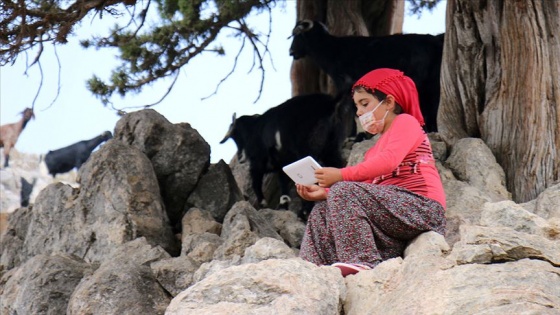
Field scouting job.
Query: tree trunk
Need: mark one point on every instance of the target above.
(500, 82)
(356, 17)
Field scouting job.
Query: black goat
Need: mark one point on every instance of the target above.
(347, 58)
(73, 156)
(303, 125)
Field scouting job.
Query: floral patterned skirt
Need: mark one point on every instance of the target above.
(365, 224)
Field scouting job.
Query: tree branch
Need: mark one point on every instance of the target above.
(164, 49)
(148, 53)
(24, 24)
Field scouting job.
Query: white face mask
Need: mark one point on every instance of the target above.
(369, 124)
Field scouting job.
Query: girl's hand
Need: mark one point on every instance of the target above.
(327, 176)
(311, 192)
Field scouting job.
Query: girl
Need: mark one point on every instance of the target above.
(367, 213)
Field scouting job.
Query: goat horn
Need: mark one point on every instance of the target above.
(302, 26)
(27, 110)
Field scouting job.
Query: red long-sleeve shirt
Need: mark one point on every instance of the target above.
(403, 157)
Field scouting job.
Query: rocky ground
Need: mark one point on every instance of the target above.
(152, 227)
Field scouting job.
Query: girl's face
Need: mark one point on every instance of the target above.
(366, 102)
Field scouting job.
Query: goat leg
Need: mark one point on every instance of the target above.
(285, 199)
(257, 180)
(7, 150)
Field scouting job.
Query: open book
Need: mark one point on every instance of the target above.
(302, 171)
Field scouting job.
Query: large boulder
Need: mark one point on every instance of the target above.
(287, 286)
(118, 201)
(43, 285)
(179, 155)
(123, 284)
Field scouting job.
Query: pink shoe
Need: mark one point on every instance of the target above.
(350, 269)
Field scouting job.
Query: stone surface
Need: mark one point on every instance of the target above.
(294, 287)
(216, 199)
(43, 285)
(123, 284)
(106, 245)
(179, 155)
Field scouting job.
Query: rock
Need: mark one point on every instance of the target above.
(286, 224)
(216, 199)
(267, 248)
(43, 285)
(243, 227)
(179, 155)
(123, 284)
(12, 240)
(500, 244)
(118, 201)
(107, 245)
(472, 161)
(547, 203)
(201, 235)
(275, 286)
(175, 274)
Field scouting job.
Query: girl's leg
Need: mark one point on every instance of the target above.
(317, 245)
(370, 223)
(346, 219)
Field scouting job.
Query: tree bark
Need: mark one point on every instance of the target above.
(342, 17)
(500, 82)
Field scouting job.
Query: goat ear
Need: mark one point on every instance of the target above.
(230, 130)
(227, 136)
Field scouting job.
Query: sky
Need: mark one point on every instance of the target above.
(77, 115)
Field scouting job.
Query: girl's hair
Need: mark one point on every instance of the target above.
(380, 96)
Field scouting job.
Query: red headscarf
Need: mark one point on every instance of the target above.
(394, 82)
